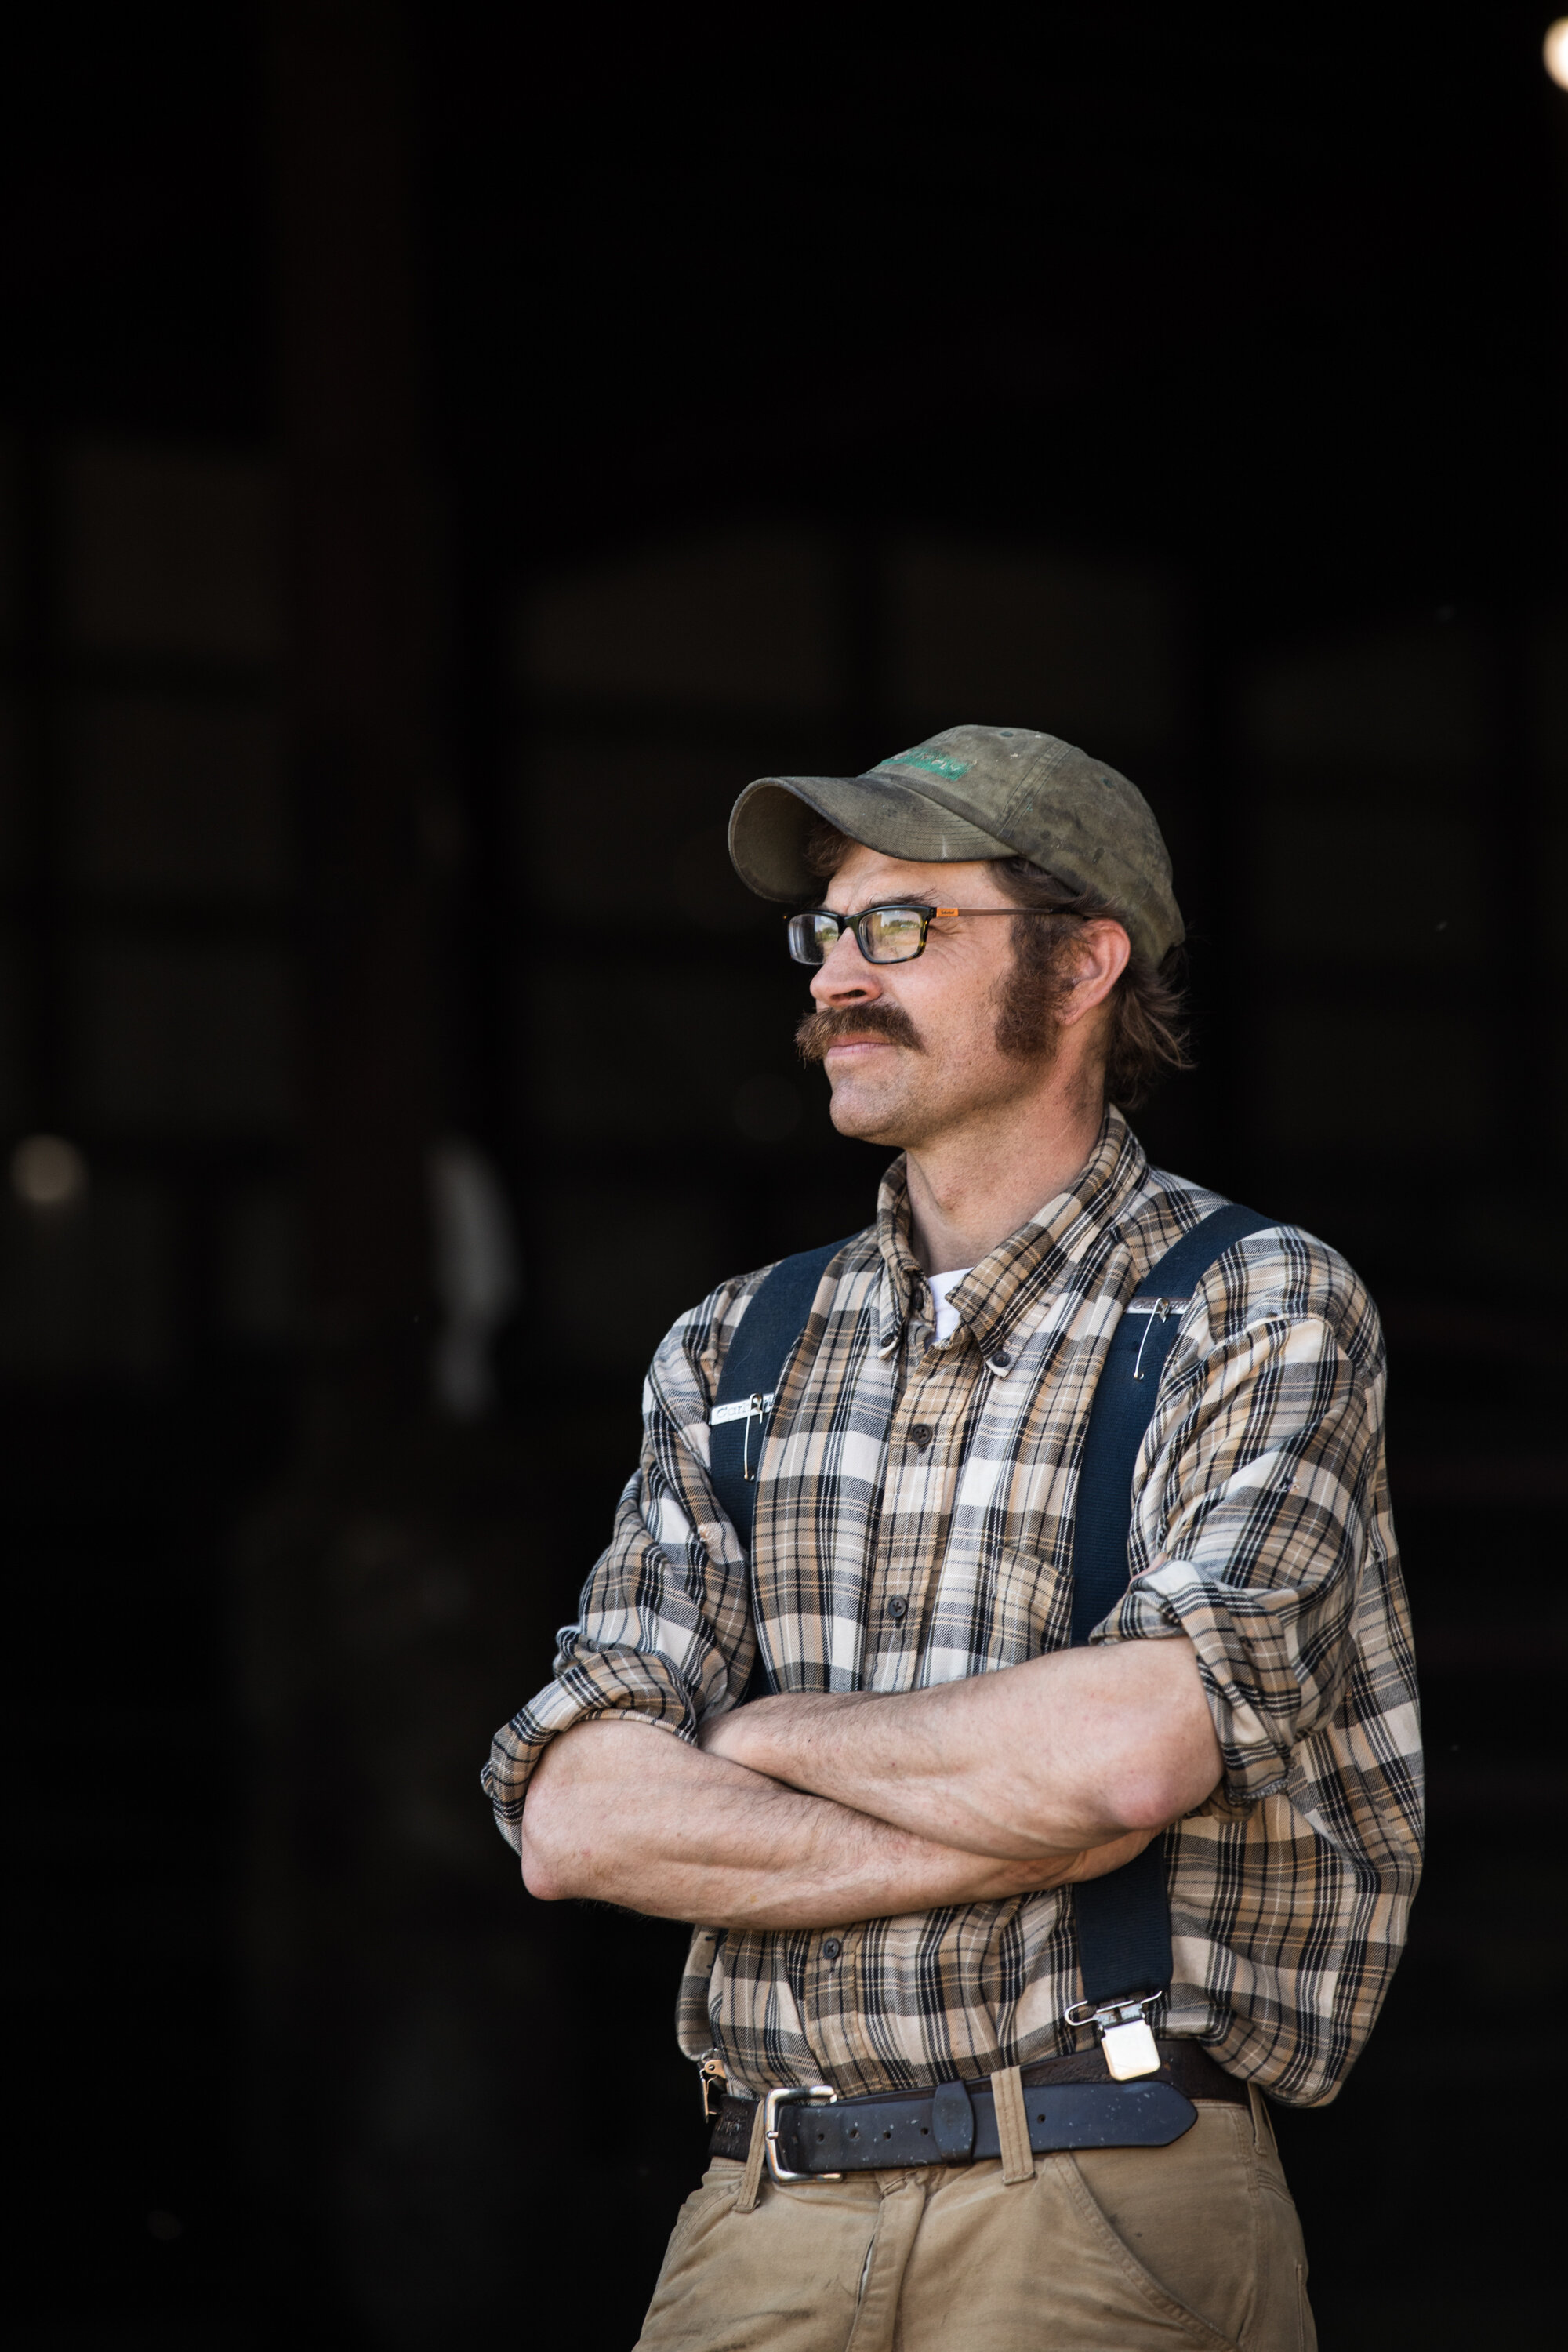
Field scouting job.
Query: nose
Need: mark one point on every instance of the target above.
(845, 978)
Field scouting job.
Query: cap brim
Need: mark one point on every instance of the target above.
(771, 821)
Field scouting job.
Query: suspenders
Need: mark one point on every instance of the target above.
(771, 1330)
(1123, 1919)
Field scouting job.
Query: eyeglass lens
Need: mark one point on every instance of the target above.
(886, 934)
(813, 937)
(891, 934)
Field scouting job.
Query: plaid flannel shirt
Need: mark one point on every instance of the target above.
(1260, 1529)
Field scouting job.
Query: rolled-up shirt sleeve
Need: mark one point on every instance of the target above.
(1259, 1526)
(664, 1630)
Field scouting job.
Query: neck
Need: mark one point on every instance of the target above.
(968, 1190)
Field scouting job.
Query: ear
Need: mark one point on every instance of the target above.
(1100, 956)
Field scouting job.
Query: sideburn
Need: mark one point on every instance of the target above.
(1027, 1029)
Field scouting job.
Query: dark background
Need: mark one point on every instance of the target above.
(446, 455)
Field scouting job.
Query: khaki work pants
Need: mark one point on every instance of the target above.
(1104, 2250)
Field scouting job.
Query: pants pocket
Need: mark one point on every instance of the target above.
(1191, 2220)
(714, 2193)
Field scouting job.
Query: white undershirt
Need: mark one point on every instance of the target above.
(940, 1284)
(946, 1315)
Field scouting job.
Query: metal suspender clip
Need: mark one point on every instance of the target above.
(1158, 1310)
(1125, 2034)
(750, 1409)
(715, 2081)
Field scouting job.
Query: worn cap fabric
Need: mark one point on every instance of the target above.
(974, 792)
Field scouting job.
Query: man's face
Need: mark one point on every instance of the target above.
(910, 1048)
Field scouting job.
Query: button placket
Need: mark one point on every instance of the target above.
(831, 1997)
(906, 1567)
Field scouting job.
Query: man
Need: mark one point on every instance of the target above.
(908, 1858)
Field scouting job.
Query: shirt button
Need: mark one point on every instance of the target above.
(897, 1608)
(1000, 1363)
(831, 1948)
(920, 1436)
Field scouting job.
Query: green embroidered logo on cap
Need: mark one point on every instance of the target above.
(931, 761)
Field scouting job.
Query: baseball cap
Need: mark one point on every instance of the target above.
(974, 792)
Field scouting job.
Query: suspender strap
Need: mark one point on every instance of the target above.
(1124, 1921)
(769, 1332)
(765, 1338)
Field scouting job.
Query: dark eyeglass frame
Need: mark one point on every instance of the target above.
(859, 924)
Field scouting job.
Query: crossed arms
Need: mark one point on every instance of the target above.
(1257, 1530)
(815, 1810)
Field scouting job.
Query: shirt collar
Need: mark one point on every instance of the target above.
(1002, 1289)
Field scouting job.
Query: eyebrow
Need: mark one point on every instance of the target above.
(848, 914)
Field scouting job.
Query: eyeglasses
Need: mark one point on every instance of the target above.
(882, 934)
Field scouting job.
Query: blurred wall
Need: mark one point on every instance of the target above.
(149, 861)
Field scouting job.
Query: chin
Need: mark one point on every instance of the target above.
(866, 1122)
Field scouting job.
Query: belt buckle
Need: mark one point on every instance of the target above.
(821, 2093)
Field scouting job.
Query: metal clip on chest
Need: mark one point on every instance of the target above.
(748, 1409)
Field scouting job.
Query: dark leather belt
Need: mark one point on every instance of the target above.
(1069, 2102)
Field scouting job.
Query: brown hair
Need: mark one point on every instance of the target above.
(1147, 1036)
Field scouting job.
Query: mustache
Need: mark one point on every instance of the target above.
(839, 1023)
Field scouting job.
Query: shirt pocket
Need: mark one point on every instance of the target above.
(1024, 1608)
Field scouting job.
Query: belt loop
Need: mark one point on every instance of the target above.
(1262, 2122)
(1011, 2125)
(756, 2154)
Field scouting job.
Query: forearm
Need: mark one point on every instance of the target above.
(1063, 1753)
(621, 1812)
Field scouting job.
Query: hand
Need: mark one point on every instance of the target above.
(1100, 1860)
(727, 1735)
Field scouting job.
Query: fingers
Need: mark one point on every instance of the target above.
(718, 1736)
(1100, 1860)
